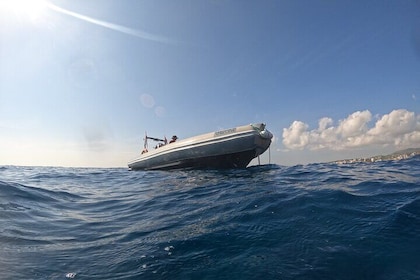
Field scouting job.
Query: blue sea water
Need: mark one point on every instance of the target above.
(317, 221)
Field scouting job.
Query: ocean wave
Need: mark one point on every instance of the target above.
(11, 191)
(308, 221)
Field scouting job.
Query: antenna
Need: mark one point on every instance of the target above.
(145, 140)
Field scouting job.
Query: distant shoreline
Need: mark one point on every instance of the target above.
(399, 155)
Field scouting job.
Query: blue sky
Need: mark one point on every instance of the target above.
(81, 81)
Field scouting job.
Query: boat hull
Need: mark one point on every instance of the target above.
(232, 148)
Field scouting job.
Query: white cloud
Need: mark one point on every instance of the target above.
(400, 128)
(355, 124)
(296, 136)
(396, 123)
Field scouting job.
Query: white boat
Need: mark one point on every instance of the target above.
(229, 148)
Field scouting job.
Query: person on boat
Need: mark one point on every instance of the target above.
(174, 138)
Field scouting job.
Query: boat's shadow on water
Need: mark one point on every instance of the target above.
(225, 171)
(222, 174)
(263, 167)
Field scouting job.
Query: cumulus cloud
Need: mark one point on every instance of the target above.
(400, 128)
(296, 136)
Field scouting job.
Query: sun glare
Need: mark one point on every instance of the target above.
(30, 10)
